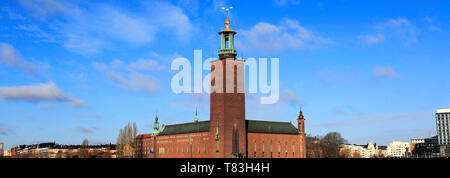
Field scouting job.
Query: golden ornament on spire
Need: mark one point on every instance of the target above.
(227, 22)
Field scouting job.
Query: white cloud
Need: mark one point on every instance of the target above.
(393, 29)
(272, 38)
(40, 93)
(133, 80)
(10, 57)
(143, 64)
(384, 72)
(373, 39)
(90, 28)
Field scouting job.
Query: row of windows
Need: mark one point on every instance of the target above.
(172, 149)
(286, 145)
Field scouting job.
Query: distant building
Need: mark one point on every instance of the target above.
(425, 148)
(313, 149)
(54, 150)
(369, 150)
(443, 131)
(1, 149)
(398, 149)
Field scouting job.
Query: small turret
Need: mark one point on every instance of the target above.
(156, 126)
(301, 122)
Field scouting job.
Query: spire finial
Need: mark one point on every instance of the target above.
(300, 116)
(227, 22)
(196, 117)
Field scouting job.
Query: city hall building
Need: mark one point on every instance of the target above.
(227, 134)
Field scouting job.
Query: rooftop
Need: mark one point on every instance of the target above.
(253, 126)
(439, 111)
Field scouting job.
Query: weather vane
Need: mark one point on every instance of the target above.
(227, 23)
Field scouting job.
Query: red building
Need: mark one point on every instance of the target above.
(227, 134)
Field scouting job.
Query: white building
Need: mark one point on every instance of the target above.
(367, 151)
(398, 149)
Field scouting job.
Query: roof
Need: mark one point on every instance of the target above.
(441, 111)
(191, 127)
(253, 126)
(144, 136)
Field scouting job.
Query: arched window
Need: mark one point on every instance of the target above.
(270, 149)
(293, 150)
(286, 149)
(279, 149)
(262, 150)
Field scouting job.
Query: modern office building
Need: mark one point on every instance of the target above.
(425, 147)
(443, 131)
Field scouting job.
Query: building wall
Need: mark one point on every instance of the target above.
(181, 146)
(398, 149)
(443, 126)
(283, 146)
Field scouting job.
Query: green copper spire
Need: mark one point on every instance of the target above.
(156, 125)
(196, 117)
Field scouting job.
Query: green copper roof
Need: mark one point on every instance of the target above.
(192, 127)
(253, 126)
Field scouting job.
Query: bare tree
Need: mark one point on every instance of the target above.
(126, 141)
(330, 144)
(84, 150)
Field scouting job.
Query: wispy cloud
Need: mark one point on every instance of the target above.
(90, 28)
(329, 77)
(286, 2)
(189, 102)
(393, 29)
(146, 64)
(373, 39)
(87, 129)
(289, 35)
(372, 119)
(432, 24)
(291, 98)
(12, 58)
(133, 80)
(4, 131)
(11, 14)
(384, 72)
(48, 92)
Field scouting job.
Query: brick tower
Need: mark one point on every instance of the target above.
(227, 110)
(301, 123)
(301, 131)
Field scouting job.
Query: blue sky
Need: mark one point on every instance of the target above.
(371, 70)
